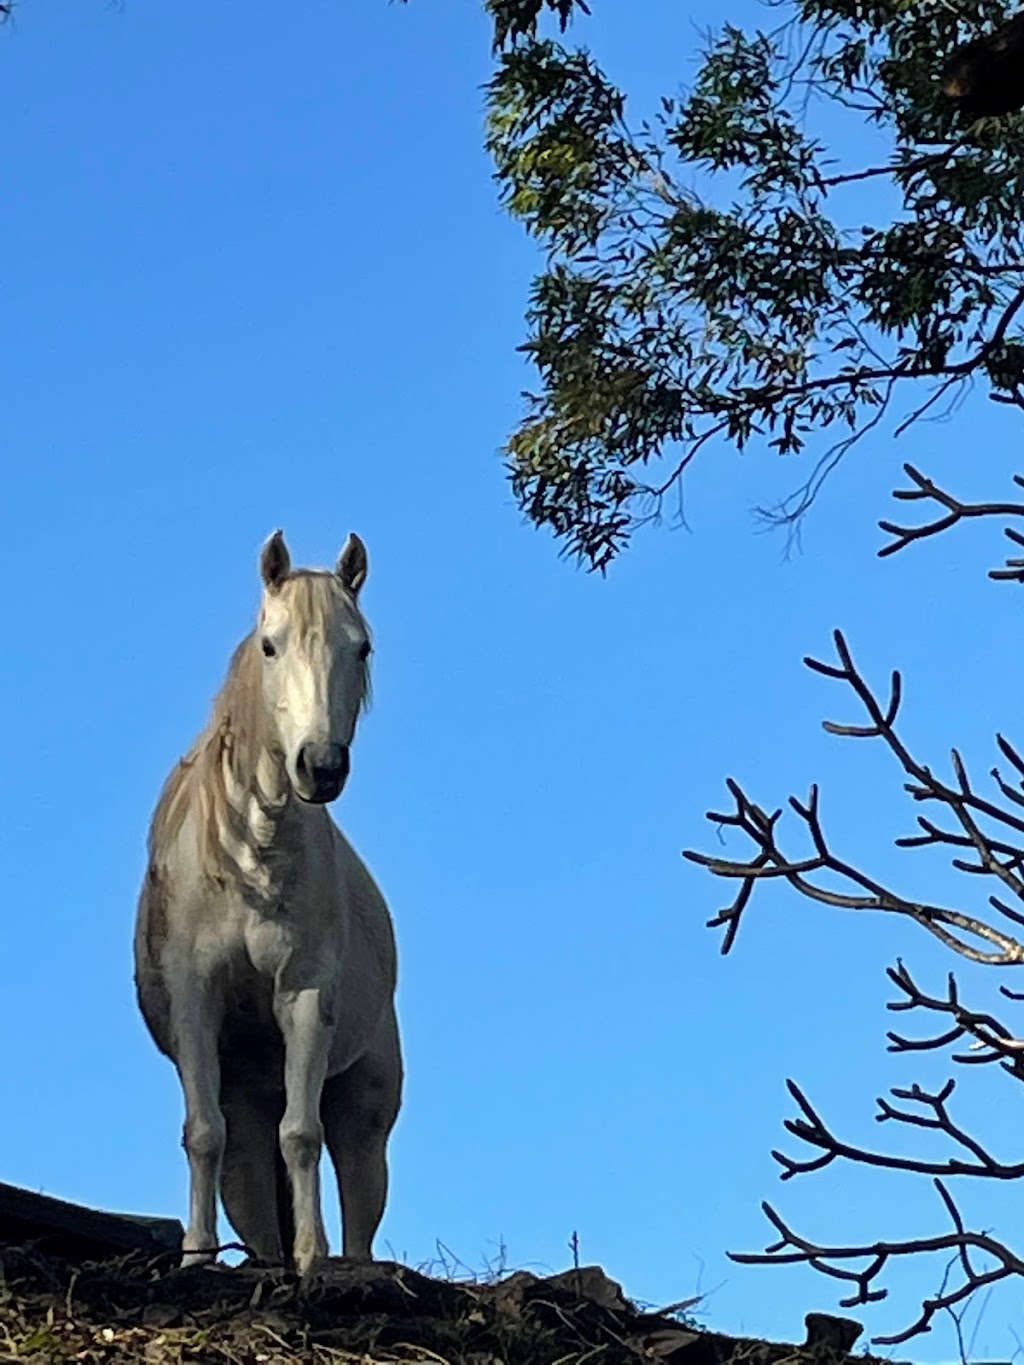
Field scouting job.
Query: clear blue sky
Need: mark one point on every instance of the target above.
(255, 275)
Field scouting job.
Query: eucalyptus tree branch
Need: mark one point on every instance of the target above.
(657, 491)
(892, 168)
(991, 833)
(751, 404)
(909, 367)
(792, 1249)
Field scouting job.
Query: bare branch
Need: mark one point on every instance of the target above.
(955, 511)
(985, 838)
(1014, 568)
(993, 833)
(993, 1040)
(792, 1249)
(812, 1129)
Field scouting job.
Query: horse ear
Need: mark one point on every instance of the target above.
(275, 561)
(353, 565)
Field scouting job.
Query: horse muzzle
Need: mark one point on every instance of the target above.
(321, 771)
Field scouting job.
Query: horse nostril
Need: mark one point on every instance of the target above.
(301, 764)
(322, 764)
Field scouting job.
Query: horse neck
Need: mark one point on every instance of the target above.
(256, 783)
(256, 826)
(254, 810)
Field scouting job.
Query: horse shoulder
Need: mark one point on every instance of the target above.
(366, 905)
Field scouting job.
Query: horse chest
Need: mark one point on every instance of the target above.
(268, 942)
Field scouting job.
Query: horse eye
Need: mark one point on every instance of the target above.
(364, 651)
(268, 648)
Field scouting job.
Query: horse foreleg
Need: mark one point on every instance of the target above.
(307, 1038)
(195, 1032)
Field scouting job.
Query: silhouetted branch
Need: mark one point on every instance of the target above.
(891, 168)
(985, 838)
(932, 1113)
(955, 511)
(998, 854)
(901, 369)
(792, 1249)
(993, 1041)
(1014, 569)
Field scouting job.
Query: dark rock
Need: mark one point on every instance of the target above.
(590, 1282)
(75, 1232)
(839, 1334)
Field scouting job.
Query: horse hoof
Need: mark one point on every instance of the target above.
(307, 1265)
(190, 1259)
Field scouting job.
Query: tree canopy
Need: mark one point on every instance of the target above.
(757, 307)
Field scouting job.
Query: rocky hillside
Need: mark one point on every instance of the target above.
(81, 1284)
(141, 1308)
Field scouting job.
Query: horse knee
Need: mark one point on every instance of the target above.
(301, 1144)
(204, 1138)
(375, 1121)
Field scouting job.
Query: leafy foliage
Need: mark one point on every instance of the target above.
(759, 308)
(518, 18)
(515, 19)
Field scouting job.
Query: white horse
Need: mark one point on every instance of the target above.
(264, 951)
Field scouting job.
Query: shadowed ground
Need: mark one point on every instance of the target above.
(140, 1308)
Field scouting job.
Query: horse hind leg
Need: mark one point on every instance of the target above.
(358, 1109)
(254, 1186)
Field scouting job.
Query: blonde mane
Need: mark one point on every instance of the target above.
(223, 760)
